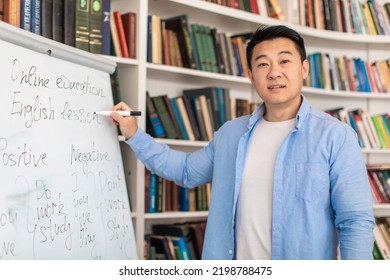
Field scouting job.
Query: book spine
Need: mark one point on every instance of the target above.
(36, 17)
(25, 14)
(158, 129)
(121, 34)
(106, 29)
(82, 25)
(69, 21)
(95, 26)
(47, 17)
(58, 20)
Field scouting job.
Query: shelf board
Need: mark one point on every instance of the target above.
(303, 30)
(163, 69)
(376, 151)
(181, 143)
(345, 94)
(174, 215)
(121, 60)
(381, 210)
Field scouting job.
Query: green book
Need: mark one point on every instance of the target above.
(165, 118)
(82, 25)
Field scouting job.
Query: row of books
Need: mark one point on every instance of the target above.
(352, 16)
(173, 41)
(382, 239)
(179, 241)
(195, 115)
(348, 74)
(243, 5)
(373, 130)
(89, 25)
(379, 176)
(162, 195)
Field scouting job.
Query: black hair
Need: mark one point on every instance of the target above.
(265, 33)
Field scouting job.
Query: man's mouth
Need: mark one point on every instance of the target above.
(276, 86)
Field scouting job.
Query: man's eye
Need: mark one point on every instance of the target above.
(262, 65)
(284, 61)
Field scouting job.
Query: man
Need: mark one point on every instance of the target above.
(288, 181)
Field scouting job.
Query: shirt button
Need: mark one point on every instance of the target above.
(230, 252)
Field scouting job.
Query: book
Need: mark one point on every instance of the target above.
(82, 25)
(69, 22)
(275, 11)
(178, 230)
(58, 20)
(36, 17)
(165, 117)
(155, 121)
(106, 28)
(121, 34)
(11, 12)
(116, 50)
(381, 243)
(188, 117)
(179, 24)
(25, 13)
(95, 26)
(129, 21)
(211, 95)
(47, 17)
(179, 119)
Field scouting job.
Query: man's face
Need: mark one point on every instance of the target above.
(277, 72)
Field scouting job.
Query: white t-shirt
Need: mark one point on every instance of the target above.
(254, 208)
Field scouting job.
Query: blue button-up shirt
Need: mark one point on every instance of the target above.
(321, 193)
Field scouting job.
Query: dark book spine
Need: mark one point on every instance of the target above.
(69, 21)
(47, 18)
(95, 26)
(129, 27)
(82, 25)
(58, 20)
(36, 17)
(106, 29)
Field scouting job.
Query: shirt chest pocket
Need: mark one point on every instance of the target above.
(312, 181)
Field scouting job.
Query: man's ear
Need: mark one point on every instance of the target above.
(305, 68)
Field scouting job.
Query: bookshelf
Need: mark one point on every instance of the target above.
(137, 76)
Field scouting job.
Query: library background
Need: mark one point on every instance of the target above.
(183, 63)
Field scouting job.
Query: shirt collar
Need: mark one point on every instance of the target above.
(258, 114)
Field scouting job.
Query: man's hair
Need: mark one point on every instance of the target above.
(273, 32)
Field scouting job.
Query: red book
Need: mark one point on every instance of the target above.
(121, 34)
(254, 7)
(129, 25)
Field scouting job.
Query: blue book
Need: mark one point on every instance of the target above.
(106, 31)
(152, 193)
(25, 14)
(36, 17)
(181, 243)
(149, 41)
(183, 131)
(219, 91)
(183, 199)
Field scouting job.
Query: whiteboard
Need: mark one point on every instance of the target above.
(62, 187)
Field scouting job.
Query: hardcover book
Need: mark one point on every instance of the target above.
(58, 20)
(95, 26)
(69, 21)
(82, 24)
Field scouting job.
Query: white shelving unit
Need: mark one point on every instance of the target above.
(137, 76)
